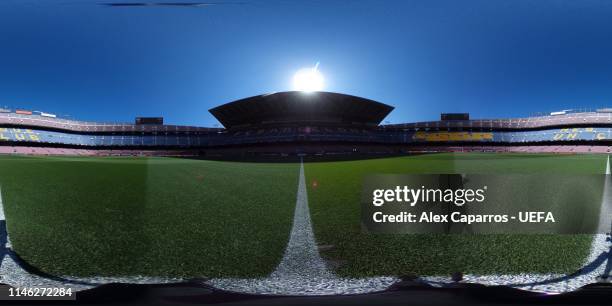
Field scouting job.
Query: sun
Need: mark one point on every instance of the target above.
(308, 79)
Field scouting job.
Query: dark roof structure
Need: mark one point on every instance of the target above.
(301, 108)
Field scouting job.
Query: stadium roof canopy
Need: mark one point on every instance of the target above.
(298, 108)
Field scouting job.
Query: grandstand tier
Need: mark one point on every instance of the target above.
(301, 123)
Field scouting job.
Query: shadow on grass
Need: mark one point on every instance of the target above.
(23, 265)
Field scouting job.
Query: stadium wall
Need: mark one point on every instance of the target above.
(194, 139)
(593, 134)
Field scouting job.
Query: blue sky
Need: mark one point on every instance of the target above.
(490, 58)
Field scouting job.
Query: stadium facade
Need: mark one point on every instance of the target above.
(294, 123)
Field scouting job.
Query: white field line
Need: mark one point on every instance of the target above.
(12, 273)
(312, 277)
(301, 258)
(593, 267)
(301, 270)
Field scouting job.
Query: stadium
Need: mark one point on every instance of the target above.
(297, 123)
(306, 152)
(128, 202)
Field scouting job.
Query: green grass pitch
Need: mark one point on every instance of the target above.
(148, 216)
(193, 218)
(334, 205)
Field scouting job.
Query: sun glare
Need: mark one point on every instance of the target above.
(308, 79)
